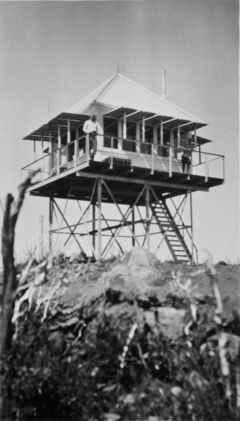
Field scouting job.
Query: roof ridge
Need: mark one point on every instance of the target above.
(159, 96)
(107, 84)
(96, 89)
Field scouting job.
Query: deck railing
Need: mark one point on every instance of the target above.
(152, 156)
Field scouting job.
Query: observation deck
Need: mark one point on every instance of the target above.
(126, 164)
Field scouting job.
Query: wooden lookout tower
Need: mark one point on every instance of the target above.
(137, 170)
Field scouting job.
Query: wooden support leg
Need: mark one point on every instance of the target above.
(124, 217)
(94, 223)
(50, 222)
(65, 220)
(191, 216)
(99, 218)
(147, 199)
(133, 226)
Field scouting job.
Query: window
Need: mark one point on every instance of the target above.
(110, 127)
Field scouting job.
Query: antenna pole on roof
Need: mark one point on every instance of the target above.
(164, 94)
(118, 69)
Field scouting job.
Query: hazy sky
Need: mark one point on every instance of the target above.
(55, 53)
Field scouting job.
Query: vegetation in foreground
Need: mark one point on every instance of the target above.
(114, 362)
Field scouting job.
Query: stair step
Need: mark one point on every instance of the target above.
(177, 247)
(171, 232)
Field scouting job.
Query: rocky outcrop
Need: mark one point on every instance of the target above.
(124, 334)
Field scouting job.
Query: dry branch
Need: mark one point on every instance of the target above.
(11, 212)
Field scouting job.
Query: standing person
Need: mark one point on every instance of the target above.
(91, 127)
(186, 161)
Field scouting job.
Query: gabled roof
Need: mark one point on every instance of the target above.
(116, 95)
(121, 92)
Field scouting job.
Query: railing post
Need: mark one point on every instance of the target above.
(199, 154)
(138, 146)
(50, 151)
(178, 135)
(206, 168)
(76, 151)
(120, 134)
(223, 168)
(161, 132)
(42, 144)
(111, 158)
(124, 125)
(170, 161)
(138, 137)
(143, 128)
(58, 160)
(152, 170)
(87, 146)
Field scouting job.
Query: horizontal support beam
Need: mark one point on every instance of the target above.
(83, 174)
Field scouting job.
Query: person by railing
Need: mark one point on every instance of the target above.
(91, 127)
(186, 162)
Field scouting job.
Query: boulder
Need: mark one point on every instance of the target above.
(138, 266)
(56, 341)
(139, 256)
(167, 320)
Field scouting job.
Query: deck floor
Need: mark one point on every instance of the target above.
(118, 177)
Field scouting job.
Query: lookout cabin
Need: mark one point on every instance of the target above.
(140, 142)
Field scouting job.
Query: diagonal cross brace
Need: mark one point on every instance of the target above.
(124, 217)
(72, 232)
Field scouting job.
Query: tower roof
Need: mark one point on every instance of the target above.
(121, 92)
(116, 95)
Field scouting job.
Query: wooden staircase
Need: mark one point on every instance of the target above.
(171, 232)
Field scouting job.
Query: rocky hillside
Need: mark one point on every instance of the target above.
(125, 340)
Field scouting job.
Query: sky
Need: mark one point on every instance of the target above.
(54, 53)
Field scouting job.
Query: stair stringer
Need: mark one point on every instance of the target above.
(168, 227)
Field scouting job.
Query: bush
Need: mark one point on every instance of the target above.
(86, 381)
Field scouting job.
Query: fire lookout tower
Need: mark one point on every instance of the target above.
(137, 169)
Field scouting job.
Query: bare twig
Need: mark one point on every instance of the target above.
(11, 212)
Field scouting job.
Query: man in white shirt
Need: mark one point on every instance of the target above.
(91, 127)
